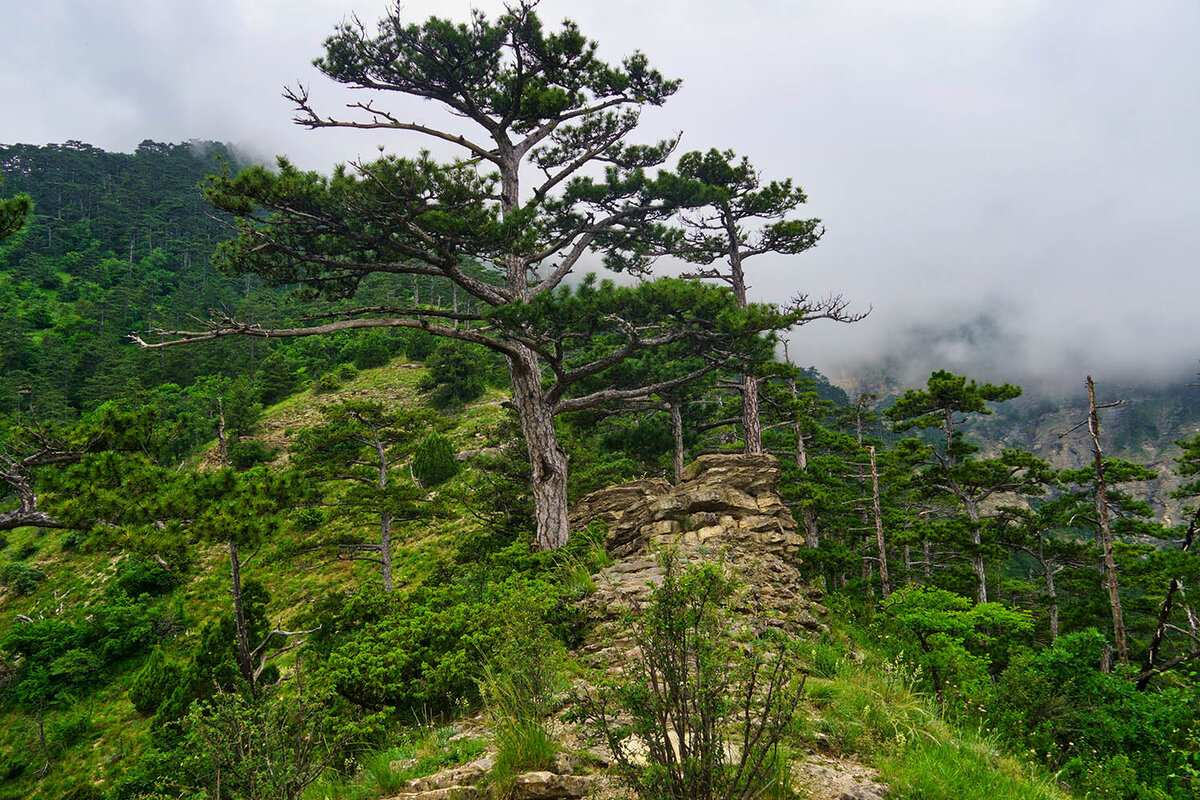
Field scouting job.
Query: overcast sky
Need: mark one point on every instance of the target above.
(1011, 184)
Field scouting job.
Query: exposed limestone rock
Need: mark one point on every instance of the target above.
(550, 786)
(727, 508)
(466, 775)
(824, 778)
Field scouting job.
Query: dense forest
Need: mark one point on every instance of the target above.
(304, 483)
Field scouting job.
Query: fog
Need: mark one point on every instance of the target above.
(1010, 186)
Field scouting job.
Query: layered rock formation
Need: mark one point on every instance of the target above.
(727, 508)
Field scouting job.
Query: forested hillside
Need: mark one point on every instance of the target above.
(350, 485)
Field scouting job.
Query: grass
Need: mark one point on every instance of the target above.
(870, 709)
(384, 773)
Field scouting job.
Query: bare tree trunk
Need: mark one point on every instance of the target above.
(547, 458)
(927, 565)
(885, 581)
(245, 664)
(385, 518)
(1104, 532)
(677, 434)
(1164, 613)
(222, 439)
(812, 537)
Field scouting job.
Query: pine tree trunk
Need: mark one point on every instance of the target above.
(677, 435)
(885, 580)
(751, 423)
(385, 518)
(977, 563)
(1104, 532)
(385, 549)
(812, 537)
(547, 458)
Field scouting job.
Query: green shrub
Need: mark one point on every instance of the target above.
(457, 373)
(698, 678)
(419, 344)
(425, 654)
(370, 350)
(244, 455)
(329, 382)
(21, 579)
(153, 683)
(347, 372)
(434, 461)
(139, 575)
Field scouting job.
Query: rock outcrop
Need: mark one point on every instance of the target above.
(727, 508)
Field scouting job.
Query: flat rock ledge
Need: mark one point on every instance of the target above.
(726, 509)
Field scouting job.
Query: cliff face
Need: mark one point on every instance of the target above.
(727, 508)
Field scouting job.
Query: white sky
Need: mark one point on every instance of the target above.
(1011, 184)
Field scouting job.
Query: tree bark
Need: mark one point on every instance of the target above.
(547, 458)
(885, 580)
(1103, 531)
(242, 650)
(385, 520)
(751, 423)
(1164, 613)
(977, 563)
(677, 434)
(222, 439)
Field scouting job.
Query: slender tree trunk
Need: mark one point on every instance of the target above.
(1104, 532)
(1051, 591)
(927, 564)
(1164, 613)
(977, 563)
(547, 458)
(812, 537)
(385, 549)
(385, 518)
(222, 438)
(677, 434)
(245, 666)
(885, 580)
(751, 423)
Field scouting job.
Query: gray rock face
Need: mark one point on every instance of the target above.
(727, 508)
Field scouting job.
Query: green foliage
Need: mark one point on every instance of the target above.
(154, 683)
(259, 748)
(1095, 726)
(21, 579)
(519, 687)
(327, 383)
(948, 635)
(424, 653)
(711, 702)
(369, 350)
(434, 461)
(250, 453)
(457, 373)
(139, 575)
